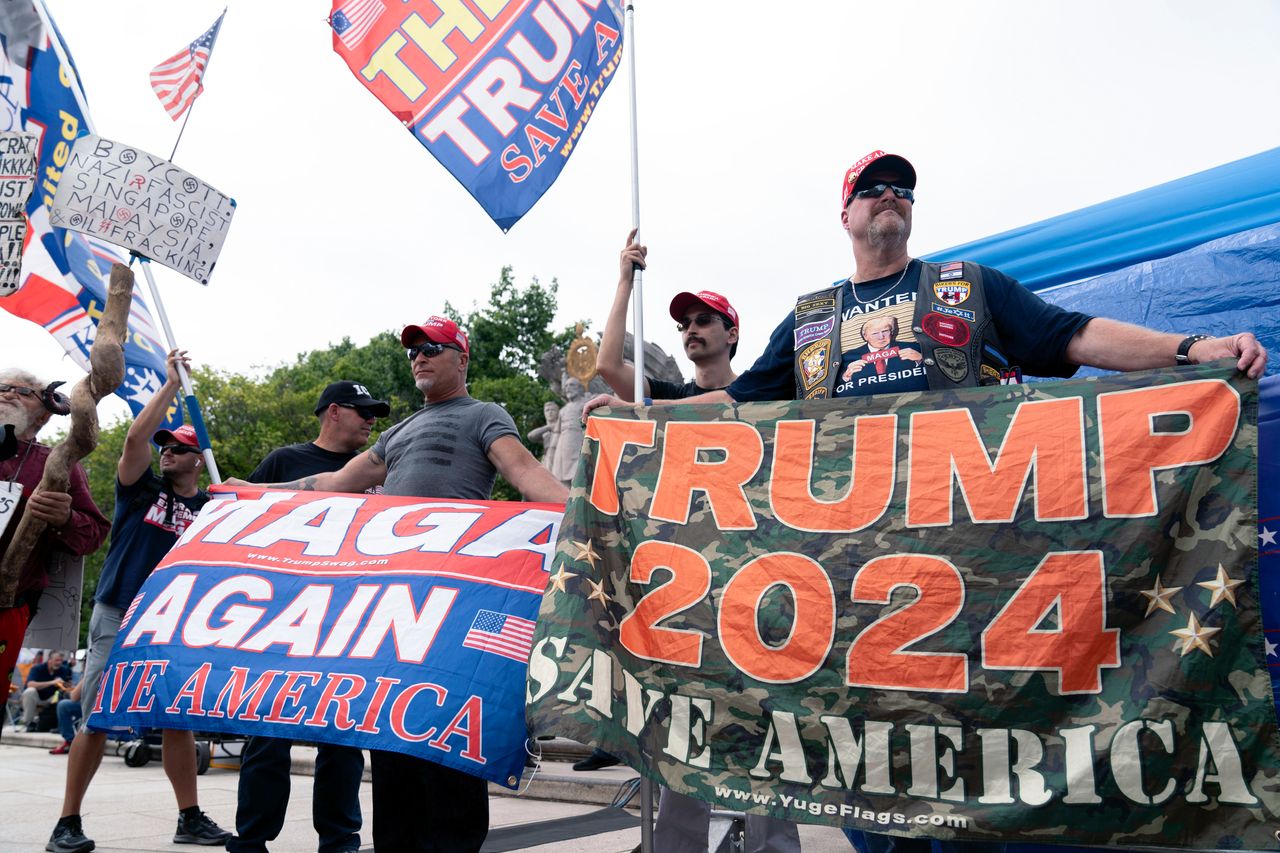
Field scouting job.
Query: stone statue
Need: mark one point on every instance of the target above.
(564, 462)
(549, 434)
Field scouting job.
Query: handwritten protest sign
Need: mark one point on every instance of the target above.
(17, 178)
(133, 199)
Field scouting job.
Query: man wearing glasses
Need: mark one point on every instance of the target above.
(75, 524)
(151, 512)
(453, 448)
(347, 413)
(708, 327)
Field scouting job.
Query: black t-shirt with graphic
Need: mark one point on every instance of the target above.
(143, 530)
(879, 352)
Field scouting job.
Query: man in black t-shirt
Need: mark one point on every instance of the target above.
(43, 681)
(707, 323)
(347, 412)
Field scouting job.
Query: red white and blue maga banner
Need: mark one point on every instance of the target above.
(498, 90)
(379, 622)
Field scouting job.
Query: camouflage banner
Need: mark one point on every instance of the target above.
(1022, 612)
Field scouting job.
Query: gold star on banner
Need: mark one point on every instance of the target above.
(1222, 587)
(597, 592)
(559, 578)
(585, 552)
(1195, 636)
(1158, 597)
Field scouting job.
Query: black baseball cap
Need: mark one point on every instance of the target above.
(354, 393)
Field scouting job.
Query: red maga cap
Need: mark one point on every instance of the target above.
(185, 434)
(442, 330)
(680, 304)
(882, 160)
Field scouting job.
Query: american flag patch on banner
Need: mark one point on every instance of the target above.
(353, 21)
(501, 634)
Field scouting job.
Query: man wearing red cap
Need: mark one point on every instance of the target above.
(956, 324)
(151, 513)
(708, 326)
(453, 447)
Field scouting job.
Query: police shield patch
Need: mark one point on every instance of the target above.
(952, 363)
(814, 363)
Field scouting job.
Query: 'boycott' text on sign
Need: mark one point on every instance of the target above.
(136, 200)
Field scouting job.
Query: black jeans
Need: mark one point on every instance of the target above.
(264, 795)
(423, 807)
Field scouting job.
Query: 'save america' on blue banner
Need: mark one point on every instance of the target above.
(378, 622)
(498, 90)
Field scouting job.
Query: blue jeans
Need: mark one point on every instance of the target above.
(872, 842)
(69, 711)
(264, 795)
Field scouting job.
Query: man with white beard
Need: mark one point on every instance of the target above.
(75, 524)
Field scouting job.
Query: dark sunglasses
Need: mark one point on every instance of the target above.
(878, 190)
(21, 390)
(430, 349)
(700, 320)
(179, 449)
(363, 411)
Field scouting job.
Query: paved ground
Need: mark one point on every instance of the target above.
(132, 809)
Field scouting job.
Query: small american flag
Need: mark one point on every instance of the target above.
(177, 80)
(354, 20)
(501, 634)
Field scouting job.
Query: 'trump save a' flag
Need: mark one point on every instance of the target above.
(64, 274)
(379, 622)
(499, 92)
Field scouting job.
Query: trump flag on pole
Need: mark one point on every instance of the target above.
(498, 92)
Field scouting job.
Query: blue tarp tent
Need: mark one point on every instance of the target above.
(1199, 254)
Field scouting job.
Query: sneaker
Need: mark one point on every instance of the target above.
(199, 829)
(68, 837)
(61, 750)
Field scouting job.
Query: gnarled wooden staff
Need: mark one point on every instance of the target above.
(106, 372)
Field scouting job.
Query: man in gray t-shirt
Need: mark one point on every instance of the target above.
(453, 447)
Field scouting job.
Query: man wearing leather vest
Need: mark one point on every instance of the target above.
(950, 325)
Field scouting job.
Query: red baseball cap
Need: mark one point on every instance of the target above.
(878, 159)
(442, 330)
(185, 434)
(680, 304)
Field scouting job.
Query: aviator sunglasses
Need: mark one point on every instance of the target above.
(878, 190)
(704, 319)
(430, 349)
(21, 390)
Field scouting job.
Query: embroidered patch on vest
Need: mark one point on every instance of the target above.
(945, 330)
(810, 332)
(820, 305)
(989, 375)
(819, 393)
(950, 271)
(814, 363)
(954, 312)
(952, 363)
(952, 292)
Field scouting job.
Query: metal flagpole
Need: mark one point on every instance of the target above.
(637, 288)
(193, 405)
(637, 333)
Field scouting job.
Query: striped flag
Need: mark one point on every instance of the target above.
(176, 81)
(353, 21)
(501, 634)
